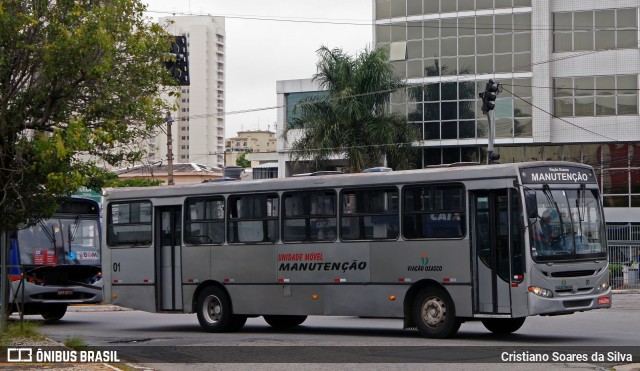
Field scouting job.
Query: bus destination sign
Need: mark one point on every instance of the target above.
(557, 175)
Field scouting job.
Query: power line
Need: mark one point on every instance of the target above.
(407, 24)
(264, 18)
(560, 118)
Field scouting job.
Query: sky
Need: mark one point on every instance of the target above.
(259, 52)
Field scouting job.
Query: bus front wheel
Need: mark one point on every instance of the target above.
(434, 314)
(503, 326)
(284, 321)
(53, 312)
(214, 311)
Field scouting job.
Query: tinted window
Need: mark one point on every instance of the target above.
(129, 223)
(369, 214)
(434, 212)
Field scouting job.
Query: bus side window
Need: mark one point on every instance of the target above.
(253, 218)
(433, 211)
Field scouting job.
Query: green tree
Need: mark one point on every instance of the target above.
(353, 120)
(80, 85)
(115, 182)
(242, 160)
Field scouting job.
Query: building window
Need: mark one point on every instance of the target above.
(459, 46)
(451, 110)
(595, 30)
(595, 96)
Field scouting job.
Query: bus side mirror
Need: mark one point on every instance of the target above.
(531, 203)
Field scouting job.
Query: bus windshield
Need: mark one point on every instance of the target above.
(60, 241)
(565, 224)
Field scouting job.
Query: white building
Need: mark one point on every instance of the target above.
(570, 74)
(198, 124)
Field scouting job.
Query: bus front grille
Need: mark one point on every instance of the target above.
(577, 303)
(566, 274)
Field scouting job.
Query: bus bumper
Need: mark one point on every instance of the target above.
(33, 293)
(568, 304)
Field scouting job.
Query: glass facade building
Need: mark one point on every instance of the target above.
(569, 70)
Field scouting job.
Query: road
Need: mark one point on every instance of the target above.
(347, 339)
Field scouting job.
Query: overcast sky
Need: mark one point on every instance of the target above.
(260, 52)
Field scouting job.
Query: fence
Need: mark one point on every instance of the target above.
(624, 255)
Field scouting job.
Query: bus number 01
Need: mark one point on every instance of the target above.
(116, 267)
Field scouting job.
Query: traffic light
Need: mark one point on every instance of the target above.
(178, 60)
(489, 96)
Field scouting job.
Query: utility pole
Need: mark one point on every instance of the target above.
(489, 95)
(5, 241)
(169, 120)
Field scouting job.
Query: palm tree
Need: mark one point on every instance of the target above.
(353, 120)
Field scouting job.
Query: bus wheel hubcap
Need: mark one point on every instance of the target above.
(434, 312)
(213, 309)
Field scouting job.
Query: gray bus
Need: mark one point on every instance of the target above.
(436, 247)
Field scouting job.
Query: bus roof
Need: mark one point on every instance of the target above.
(439, 174)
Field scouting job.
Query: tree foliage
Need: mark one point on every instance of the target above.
(242, 160)
(115, 182)
(80, 84)
(353, 121)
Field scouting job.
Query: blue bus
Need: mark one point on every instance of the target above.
(57, 261)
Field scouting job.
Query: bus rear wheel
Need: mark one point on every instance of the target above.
(213, 308)
(503, 326)
(284, 321)
(434, 314)
(53, 312)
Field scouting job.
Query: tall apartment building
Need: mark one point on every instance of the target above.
(570, 75)
(198, 124)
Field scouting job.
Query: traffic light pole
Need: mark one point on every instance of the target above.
(169, 121)
(488, 104)
(492, 134)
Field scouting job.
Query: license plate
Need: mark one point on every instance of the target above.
(603, 300)
(65, 292)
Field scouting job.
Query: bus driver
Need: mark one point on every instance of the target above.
(545, 234)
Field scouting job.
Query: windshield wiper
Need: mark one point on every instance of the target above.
(547, 192)
(72, 235)
(49, 234)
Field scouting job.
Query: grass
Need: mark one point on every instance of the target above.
(75, 343)
(20, 330)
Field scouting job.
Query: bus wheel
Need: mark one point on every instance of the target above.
(53, 312)
(214, 310)
(434, 314)
(284, 321)
(503, 326)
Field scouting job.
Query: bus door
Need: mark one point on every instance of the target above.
(168, 257)
(497, 243)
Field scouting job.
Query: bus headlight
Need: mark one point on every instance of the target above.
(602, 287)
(539, 291)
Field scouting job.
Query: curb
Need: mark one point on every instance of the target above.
(96, 308)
